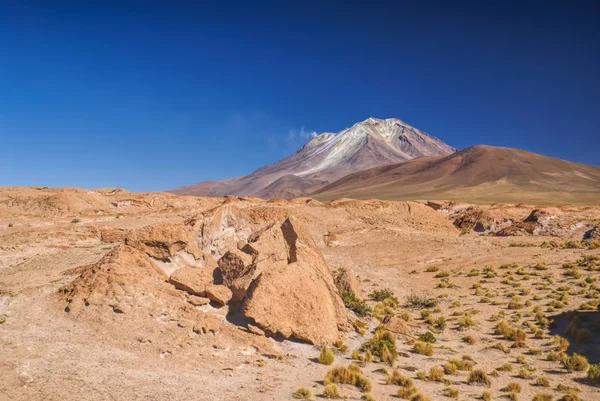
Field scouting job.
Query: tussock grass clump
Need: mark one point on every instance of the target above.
(406, 392)
(542, 381)
(570, 397)
(478, 376)
(331, 391)
(542, 397)
(436, 374)
(350, 374)
(419, 397)
(575, 362)
(399, 379)
(432, 269)
(464, 364)
(423, 348)
(555, 356)
(486, 396)
(302, 394)
(466, 321)
(420, 301)
(428, 337)
(561, 343)
(469, 340)
(516, 303)
(352, 302)
(505, 367)
(326, 356)
(500, 346)
(450, 392)
(512, 387)
(382, 345)
(593, 373)
(367, 397)
(450, 368)
(383, 294)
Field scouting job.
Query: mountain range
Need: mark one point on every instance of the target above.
(328, 157)
(389, 159)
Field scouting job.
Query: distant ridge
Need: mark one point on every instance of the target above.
(328, 157)
(476, 174)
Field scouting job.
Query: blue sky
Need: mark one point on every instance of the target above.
(154, 95)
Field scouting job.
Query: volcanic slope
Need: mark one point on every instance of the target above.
(328, 157)
(477, 174)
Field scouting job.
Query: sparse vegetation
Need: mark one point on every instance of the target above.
(326, 356)
(575, 362)
(302, 394)
(382, 345)
(356, 305)
(478, 376)
(423, 348)
(350, 374)
(450, 392)
(420, 301)
(381, 295)
(331, 391)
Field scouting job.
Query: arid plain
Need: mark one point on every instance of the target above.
(113, 295)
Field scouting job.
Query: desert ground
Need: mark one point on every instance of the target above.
(113, 295)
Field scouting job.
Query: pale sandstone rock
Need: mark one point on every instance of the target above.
(192, 280)
(293, 294)
(346, 280)
(197, 301)
(220, 229)
(164, 240)
(218, 293)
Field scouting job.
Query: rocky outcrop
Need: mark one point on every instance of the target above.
(111, 235)
(125, 292)
(162, 241)
(192, 280)
(346, 280)
(476, 220)
(221, 229)
(114, 281)
(287, 289)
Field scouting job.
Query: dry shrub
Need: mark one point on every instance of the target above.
(302, 394)
(478, 376)
(326, 356)
(331, 391)
(350, 374)
(575, 362)
(436, 374)
(399, 379)
(423, 348)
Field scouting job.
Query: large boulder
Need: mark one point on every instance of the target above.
(289, 290)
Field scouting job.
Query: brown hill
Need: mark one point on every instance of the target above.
(476, 174)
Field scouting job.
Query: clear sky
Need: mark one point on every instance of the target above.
(154, 95)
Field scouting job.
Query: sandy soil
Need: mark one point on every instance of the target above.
(47, 354)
